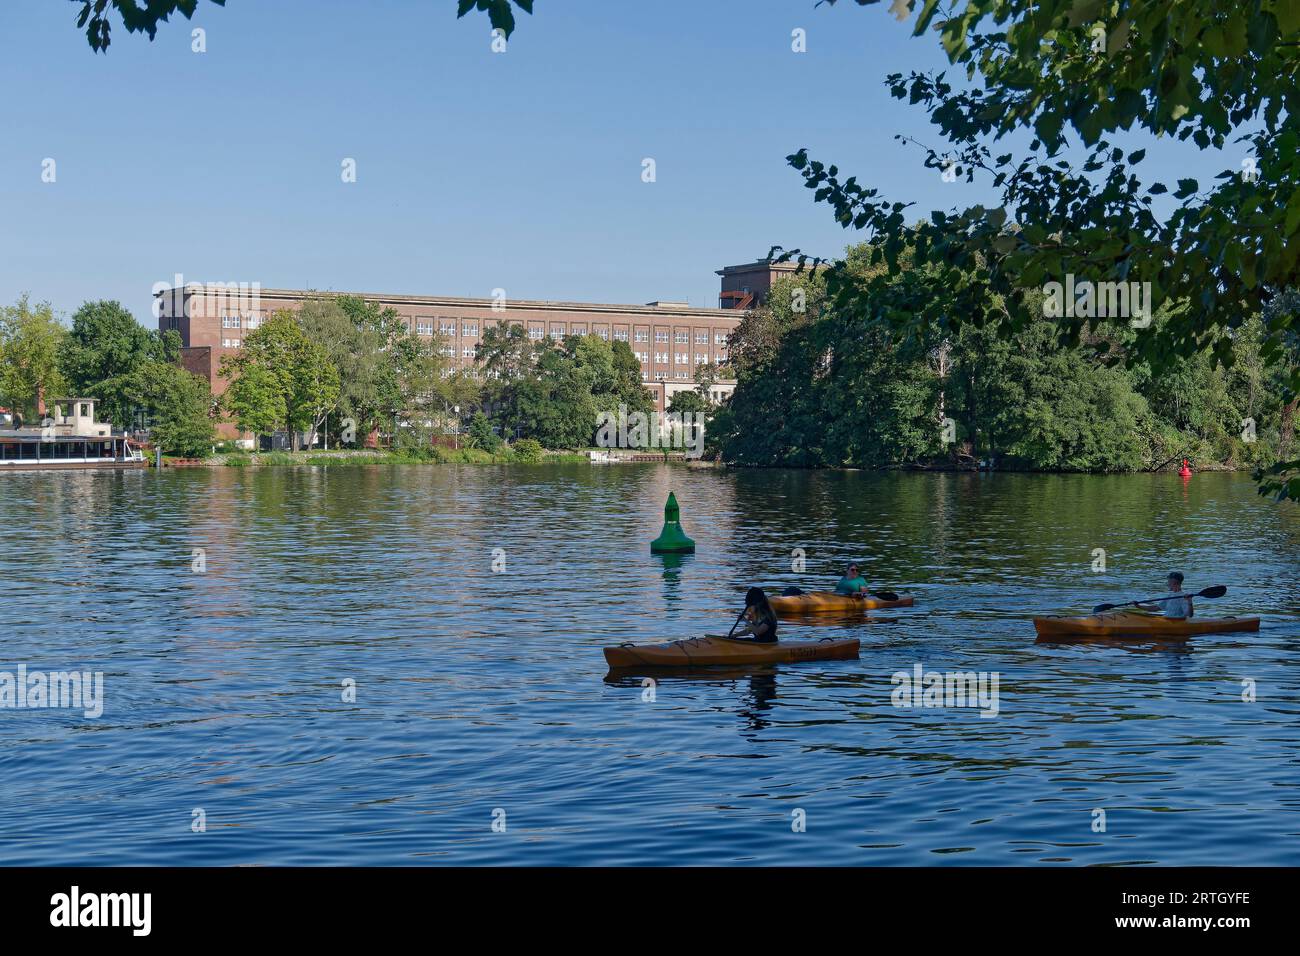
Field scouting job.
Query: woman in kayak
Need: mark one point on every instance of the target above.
(852, 583)
(761, 618)
(1175, 607)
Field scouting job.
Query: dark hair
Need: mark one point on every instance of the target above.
(755, 598)
(1176, 576)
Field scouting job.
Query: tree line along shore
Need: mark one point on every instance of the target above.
(816, 388)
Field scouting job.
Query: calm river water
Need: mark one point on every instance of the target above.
(483, 697)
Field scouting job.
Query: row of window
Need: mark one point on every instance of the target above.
(681, 358)
(448, 327)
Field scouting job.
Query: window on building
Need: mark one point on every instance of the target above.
(682, 336)
(449, 351)
(254, 321)
(447, 326)
(642, 335)
(661, 336)
(603, 333)
(230, 321)
(683, 358)
(467, 351)
(701, 358)
(684, 375)
(557, 331)
(578, 328)
(469, 328)
(722, 355)
(230, 343)
(536, 332)
(620, 335)
(701, 338)
(719, 338)
(424, 327)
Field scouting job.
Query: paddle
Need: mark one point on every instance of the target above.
(1217, 591)
(740, 617)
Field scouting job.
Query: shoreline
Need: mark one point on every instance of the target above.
(474, 456)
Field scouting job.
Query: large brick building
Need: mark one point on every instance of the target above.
(671, 339)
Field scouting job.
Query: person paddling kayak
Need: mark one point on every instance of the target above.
(1178, 607)
(762, 619)
(852, 583)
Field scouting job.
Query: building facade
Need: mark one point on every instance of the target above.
(671, 339)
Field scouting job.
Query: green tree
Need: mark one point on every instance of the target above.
(556, 404)
(256, 400)
(30, 339)
(102, 352)
(295, 380)
(1198, 71)
(481, 435)
(178, 404)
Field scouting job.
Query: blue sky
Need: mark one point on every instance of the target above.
(475, 170)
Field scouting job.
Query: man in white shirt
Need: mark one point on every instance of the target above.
(1174, 607)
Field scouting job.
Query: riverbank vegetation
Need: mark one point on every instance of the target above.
(339, 369)
(132, 372)
(822, 385)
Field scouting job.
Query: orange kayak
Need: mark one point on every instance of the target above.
(1138, 624)
(705, 651)
(813, 602)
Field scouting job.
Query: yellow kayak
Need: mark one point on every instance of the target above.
(813, 602)
(1139, 624)
(706, 651)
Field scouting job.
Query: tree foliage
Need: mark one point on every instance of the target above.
(1073, 74)
(30, 341)
(553, 391)
(179, 405)
(294, 382)
(144, 16)
(101, 354)
(825, 387)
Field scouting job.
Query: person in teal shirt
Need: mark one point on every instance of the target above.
(852, 582)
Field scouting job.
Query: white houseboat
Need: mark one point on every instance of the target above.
(71, 440)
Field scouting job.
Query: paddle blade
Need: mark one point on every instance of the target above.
(885, 595)
(1102, 607)
(1217, 591)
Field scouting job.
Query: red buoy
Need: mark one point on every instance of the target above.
(1185, 472)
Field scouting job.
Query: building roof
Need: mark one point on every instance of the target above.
(762, 265)
(452, 302)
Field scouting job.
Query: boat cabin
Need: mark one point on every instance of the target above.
(68, 438)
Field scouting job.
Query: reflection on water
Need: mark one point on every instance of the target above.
(477, 690)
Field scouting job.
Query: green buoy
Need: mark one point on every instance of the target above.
(672, 538)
